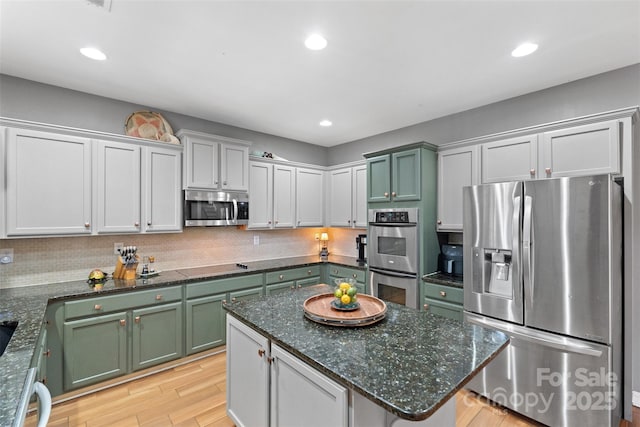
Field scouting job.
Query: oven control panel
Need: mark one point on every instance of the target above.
(392, 217)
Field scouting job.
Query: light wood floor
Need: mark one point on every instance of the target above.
(194, 395)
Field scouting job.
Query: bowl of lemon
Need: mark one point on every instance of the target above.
(345, 294)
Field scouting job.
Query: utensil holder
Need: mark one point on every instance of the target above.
(126, 271)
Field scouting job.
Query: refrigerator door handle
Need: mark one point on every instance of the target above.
(526, 246)
(515, 230)
(535, 337)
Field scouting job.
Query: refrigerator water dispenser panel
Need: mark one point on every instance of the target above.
(498, 265)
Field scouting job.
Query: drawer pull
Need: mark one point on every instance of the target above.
(532, 172)
(234, 299)
(260, 352)
(548, 171)
(159, 297)
(281, 277)
(47, 353)
(293, 286)
(87, 225)
(308, 272)
(443, 294)
(137, 319)
(224, 302)
(355, 276)
(299, 286)
(123, 322)
(97, 307)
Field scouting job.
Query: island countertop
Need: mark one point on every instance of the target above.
(410, 363)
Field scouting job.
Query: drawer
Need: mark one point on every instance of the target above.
(337, 271)
(220, 286)
(293, 274)
(444, 309)
(125, 301)
(444, 293)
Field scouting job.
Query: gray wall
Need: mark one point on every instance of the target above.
(603, 92)
(38, 102)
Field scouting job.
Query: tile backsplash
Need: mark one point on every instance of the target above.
(38, 261)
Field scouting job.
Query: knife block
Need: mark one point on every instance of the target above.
(126, 271)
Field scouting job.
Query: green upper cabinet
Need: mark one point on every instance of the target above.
(394, 177)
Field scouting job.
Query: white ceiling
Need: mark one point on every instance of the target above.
(388, 64)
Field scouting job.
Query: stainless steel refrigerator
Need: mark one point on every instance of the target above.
(543, 263)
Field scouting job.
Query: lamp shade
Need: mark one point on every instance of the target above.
(324, 237)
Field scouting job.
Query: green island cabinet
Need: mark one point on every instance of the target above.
(109, 336)
(339, 271)
(394, 176)
(292, 278)
(205, 321)
(443, 300)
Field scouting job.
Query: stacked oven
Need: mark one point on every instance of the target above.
(394, 255)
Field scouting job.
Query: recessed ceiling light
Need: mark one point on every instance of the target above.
(93, 53)
(315, 42)
(325, 123)
(524, 49)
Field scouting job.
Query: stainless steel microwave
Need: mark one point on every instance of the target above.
(215, 208)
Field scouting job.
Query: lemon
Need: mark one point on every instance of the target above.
(345, 299)
(337, 293)
(344, 286)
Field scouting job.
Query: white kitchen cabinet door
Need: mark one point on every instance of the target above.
(301, 396)
(513, 159)
(340, 197)
(284, 196)
(162, 193)
(48, 181)
(201, 163)
(247, 375)
(309, 197)
(581, 150)
(260, 195)
(234, 167)
(359, 197)
(117, 187)
(457, 168)
(3, 187)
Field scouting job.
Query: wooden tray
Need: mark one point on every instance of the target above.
(318, 308)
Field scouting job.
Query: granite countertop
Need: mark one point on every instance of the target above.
(410, 363)
(443, 279)
(28, 304)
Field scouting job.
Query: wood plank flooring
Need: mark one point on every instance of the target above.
(193, 395)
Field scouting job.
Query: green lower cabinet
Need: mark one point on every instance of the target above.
(205, 323)
(340, 272)
(445, 309)
(157, 335)
(95, 349)
(311, 281)
(245, 294)
(279, 288)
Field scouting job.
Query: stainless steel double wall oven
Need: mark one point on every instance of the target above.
(394, 258)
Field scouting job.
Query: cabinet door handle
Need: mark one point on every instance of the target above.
(276, 222)
(97, 307)
(47, 353)
(224, 302)
(224, 182)
(159, 297)
(348, 221)
(87, 225)
(268, 222)
(393, 194)
(355, 276)
(136, 224)
(443, 294)
(137, 319)
(548, 171)
(293, 286)
(260, 352)
(335, 271)
(123, 322)
(234, 299)
(281, 277)
(532, 172)
(308, 272)
(271, 360)
(299, 286)
(426, 306)
(149, 223)
(439, 222)
(386, 194)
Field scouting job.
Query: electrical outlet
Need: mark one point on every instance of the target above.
(6, 256)
(117, 247)
(256, 239)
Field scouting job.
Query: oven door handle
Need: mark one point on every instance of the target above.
(393, 224)
(393, 273)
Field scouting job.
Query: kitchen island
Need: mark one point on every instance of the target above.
(409, 364)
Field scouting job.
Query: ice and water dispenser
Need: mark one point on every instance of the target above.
(493, 271)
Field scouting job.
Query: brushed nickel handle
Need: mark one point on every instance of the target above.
(532, 172)
(393, 194)
(159, 297)
(281, 277)
(548, 171)
(268, 222)
(136, 224)
(299, 286)
(123, 322)
(439, 222)
(335, 271)
(270, 360)
(97, 307)
(47, 353)
(348, 221)
(355, 276)
(426, 306)
(276, 222)
(260, 352)
(234, 299)
(443, 294)
(137, 319)
(308, 272)
(293, 286)
(87, 225)
(149, 223)
(224, 302)
(386, 194)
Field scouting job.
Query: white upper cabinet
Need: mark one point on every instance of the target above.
(3, 187)
(214, 162)
(457, 168)
(581, 150)
(162, 197)
(48, 183)
(284, 196)
(347, 197)
(513, 159)
(117, 187)
(309, 195)
(260, 195)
